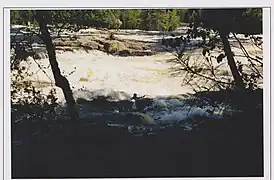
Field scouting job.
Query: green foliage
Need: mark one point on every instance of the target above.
(159, 19)
(21, 17)
(130, 18)
(184, 15)
(15, 17)
(174, 20)
(113, 20)
(147, 19)
(164, 21)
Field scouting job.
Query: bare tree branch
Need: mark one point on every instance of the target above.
(188, 68)
(245, 52)
(248, 57)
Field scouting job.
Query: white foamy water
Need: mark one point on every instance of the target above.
(176, 109)
(162, 109)
(148, 75)
(100, 74)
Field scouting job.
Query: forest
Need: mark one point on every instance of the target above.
(154, 19)
(124, 93)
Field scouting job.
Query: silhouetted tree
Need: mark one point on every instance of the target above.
(42, 17)
(222, 23)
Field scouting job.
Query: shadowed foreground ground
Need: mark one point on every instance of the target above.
(229, 148)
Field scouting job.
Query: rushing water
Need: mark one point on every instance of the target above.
(117, 78)
(162, 109)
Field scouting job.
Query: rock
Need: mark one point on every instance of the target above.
(164, 42)
(90, 45)
(169, 42)
(142, 53)
(100, 47)
(65, 49)
(102, 29)
(67, 43)
(178, 42)
(37, 56)
(73, 38)
(140, 118)
(114, 47)
(107, 47)
(124, 53)
(111, 36)
(131, 118)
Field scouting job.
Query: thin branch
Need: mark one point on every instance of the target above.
(40, 67)
(254, 43)
(201, 75)
(43, 70)
(248, 57)
(245, 52)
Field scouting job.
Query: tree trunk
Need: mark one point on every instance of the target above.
(60, 81)
(231, 62)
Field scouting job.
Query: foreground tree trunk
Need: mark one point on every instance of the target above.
(231, 62)
(60, 81)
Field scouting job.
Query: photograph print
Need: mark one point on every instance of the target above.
(136, 93)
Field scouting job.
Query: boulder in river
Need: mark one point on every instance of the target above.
(137, 118)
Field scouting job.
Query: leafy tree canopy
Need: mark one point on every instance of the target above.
(237, 20)
(147, 19)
